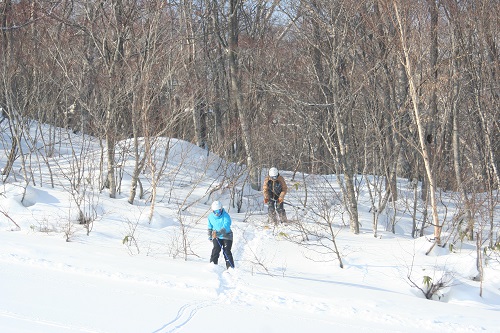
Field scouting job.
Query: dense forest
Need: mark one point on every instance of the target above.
(393, 88)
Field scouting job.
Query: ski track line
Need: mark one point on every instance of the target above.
(184, 315)
(225, 291)
(20, 317)
(94, 272)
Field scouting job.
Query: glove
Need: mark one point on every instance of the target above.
(266, 200)
(214, 234)
(280, 200)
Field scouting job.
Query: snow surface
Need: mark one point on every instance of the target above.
(105, 282)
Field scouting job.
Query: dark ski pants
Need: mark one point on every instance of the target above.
(274, 207)
(226, 247)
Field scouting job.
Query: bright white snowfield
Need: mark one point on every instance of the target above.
(146, 283)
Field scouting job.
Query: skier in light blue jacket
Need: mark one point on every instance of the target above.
(220, 233)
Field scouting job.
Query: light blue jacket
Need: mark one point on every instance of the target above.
(221, 224)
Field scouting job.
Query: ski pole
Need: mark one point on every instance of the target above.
(225, 255)
(289, 204)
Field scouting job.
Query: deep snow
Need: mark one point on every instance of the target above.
(105, 282)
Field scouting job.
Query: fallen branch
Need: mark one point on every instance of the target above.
(7, 216)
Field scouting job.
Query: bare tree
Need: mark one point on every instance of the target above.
(325, 213)
(236, 88)
(402, 18)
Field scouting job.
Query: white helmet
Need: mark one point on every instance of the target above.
(273, 172)
(216, 205)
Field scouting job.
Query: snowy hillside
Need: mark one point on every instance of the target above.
(137, 269)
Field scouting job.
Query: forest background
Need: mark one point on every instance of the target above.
(388, 88)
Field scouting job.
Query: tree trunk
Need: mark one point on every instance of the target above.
(236, 92)
(420, 127)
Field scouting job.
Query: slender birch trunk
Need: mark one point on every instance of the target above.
(420, 127)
